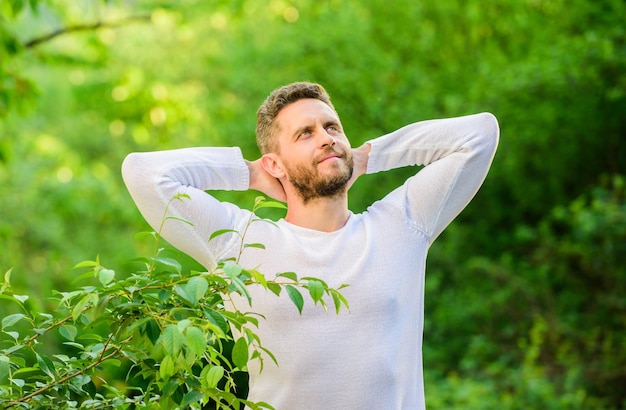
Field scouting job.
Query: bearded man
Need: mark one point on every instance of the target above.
(371, 357)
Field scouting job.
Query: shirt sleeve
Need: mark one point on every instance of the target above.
(169, 188)
(457, 154)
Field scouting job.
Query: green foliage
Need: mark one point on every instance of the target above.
(550, 333)
(163, 328)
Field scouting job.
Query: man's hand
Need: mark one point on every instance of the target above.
(262, 181)
(360, 156)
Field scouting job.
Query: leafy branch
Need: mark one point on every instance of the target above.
(167, 329)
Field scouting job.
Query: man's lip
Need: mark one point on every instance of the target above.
(329, 157)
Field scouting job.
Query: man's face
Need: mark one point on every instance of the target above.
(315, 152)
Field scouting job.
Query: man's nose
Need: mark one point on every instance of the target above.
(326, 139)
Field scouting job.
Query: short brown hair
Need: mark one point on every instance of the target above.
(276, 101)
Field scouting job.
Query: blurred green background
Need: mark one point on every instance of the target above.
(526, 291)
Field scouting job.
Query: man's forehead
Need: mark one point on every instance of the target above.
(305, 110)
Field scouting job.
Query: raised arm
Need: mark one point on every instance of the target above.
(154, 179)
(457, 153)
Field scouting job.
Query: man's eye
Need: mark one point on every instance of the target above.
(332, 128)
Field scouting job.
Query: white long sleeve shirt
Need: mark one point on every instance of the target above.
(371, 356)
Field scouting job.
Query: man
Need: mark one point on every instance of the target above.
(369, 358)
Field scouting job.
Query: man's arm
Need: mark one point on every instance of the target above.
(456, 152)
(154, 179)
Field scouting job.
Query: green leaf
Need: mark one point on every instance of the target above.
(316, 289)
(5, 366)
(14, 335)
(288, 275)
(68, 331)
(240, 353)
(7, 276)
(12, 319)
(153, 331)
(180, 196)
(140, 235)
(259, 277)
(172, 263)
(106, 276)
(212, 375)
(192, 396)
(222, 232)
(18, 382)
(83, 264)
(196, 288)
(262, 202)
(76, 345)
(254, 245)
(338, 300)
(172, 340)
(176, 218)
(46, 365)
(183, 324)
(167, 368)
(242, 289)
(21, 298)
(232, 270)
(182, 292)
(196, 340)
(217, 319)
(275, 288)
(295, 296)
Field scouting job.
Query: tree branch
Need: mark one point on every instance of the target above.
(68, 376)
(83, 27)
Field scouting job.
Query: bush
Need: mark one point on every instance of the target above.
(159, 338)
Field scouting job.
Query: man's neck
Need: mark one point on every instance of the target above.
(320, 214)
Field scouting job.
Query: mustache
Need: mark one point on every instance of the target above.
(330, 150)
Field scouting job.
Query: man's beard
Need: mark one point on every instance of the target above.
(310, 184)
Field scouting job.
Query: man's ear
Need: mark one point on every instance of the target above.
(272, 165)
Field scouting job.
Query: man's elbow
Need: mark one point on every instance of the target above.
(490, 129)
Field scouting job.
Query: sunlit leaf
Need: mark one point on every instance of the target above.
(172, 340)
(316, 289)
(68, 331)
(289, 275)
(259, 277)
(86, 264)
(212, 375)
(196, 288)
(221, 232)
(263, 202)
(179, 219)
(167, 368)
(10, 320)
(106, 276)
(170, 262)
(338, 300)
(7, 276)
(240, 353)
(232, 270)
(21, 298)
(254, 245)
(45, 364)
(196, 340)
